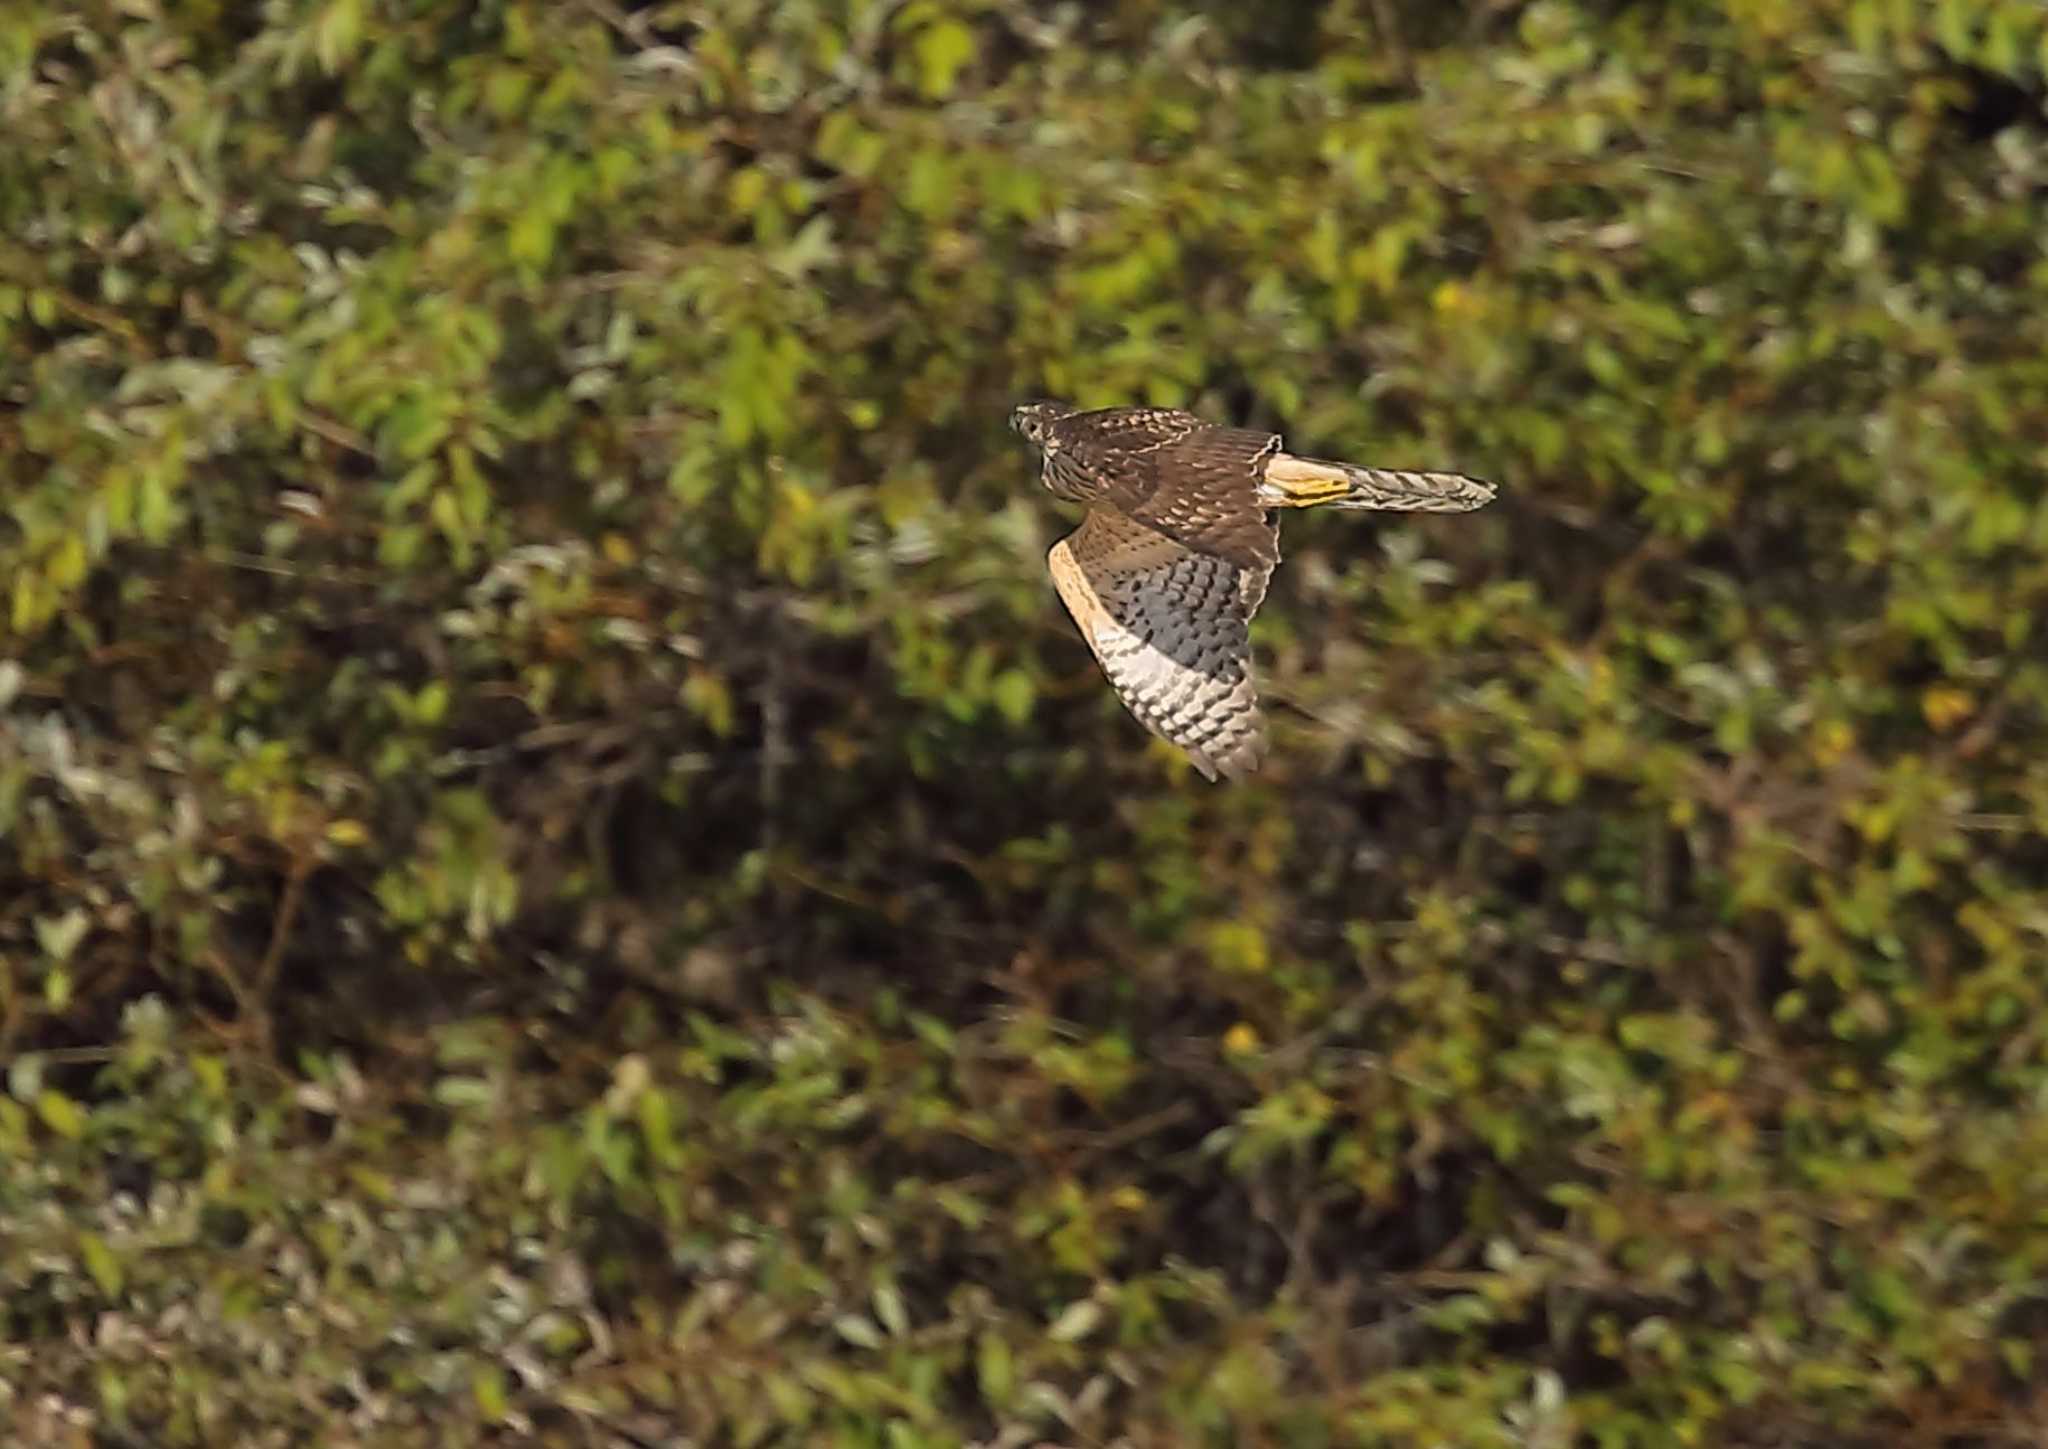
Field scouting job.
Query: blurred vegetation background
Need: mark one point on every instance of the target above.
(565, 880)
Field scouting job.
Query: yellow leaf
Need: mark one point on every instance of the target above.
(60, 1114)
(746, 190)
(348, 832)
(1832, 740)
(1945, 708)
(1236, 946)
(27, 602)
(709, 699)
(67, 562)
(1452, 299)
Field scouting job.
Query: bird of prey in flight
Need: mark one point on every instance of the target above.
(1171, 562)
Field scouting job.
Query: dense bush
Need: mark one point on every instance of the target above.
(564, 879)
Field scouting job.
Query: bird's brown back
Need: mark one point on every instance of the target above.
(1193, 481)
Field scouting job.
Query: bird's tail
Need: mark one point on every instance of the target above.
(1292, 482)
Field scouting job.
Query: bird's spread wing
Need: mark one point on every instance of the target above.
(1172, 472)
(1170, 627)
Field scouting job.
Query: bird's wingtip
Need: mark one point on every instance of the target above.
(1239, 760)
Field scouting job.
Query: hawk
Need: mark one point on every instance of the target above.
(1171, 562)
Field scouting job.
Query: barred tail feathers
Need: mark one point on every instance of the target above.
(1292, 482)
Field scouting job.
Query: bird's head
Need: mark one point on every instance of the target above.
(1033, 418)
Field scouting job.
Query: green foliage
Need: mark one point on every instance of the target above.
(563, 879)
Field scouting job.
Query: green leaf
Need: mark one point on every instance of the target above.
(1076, 1321)
(943, 49)
(60, 1114)
(101, 1263)
(857, 1330)
(995, 1367)
(1014, 695)
(467, 1092)
(59, 935)
(889, 1308)
(487, 1384)
(337, 33)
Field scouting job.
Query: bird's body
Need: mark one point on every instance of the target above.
(1165, 572)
